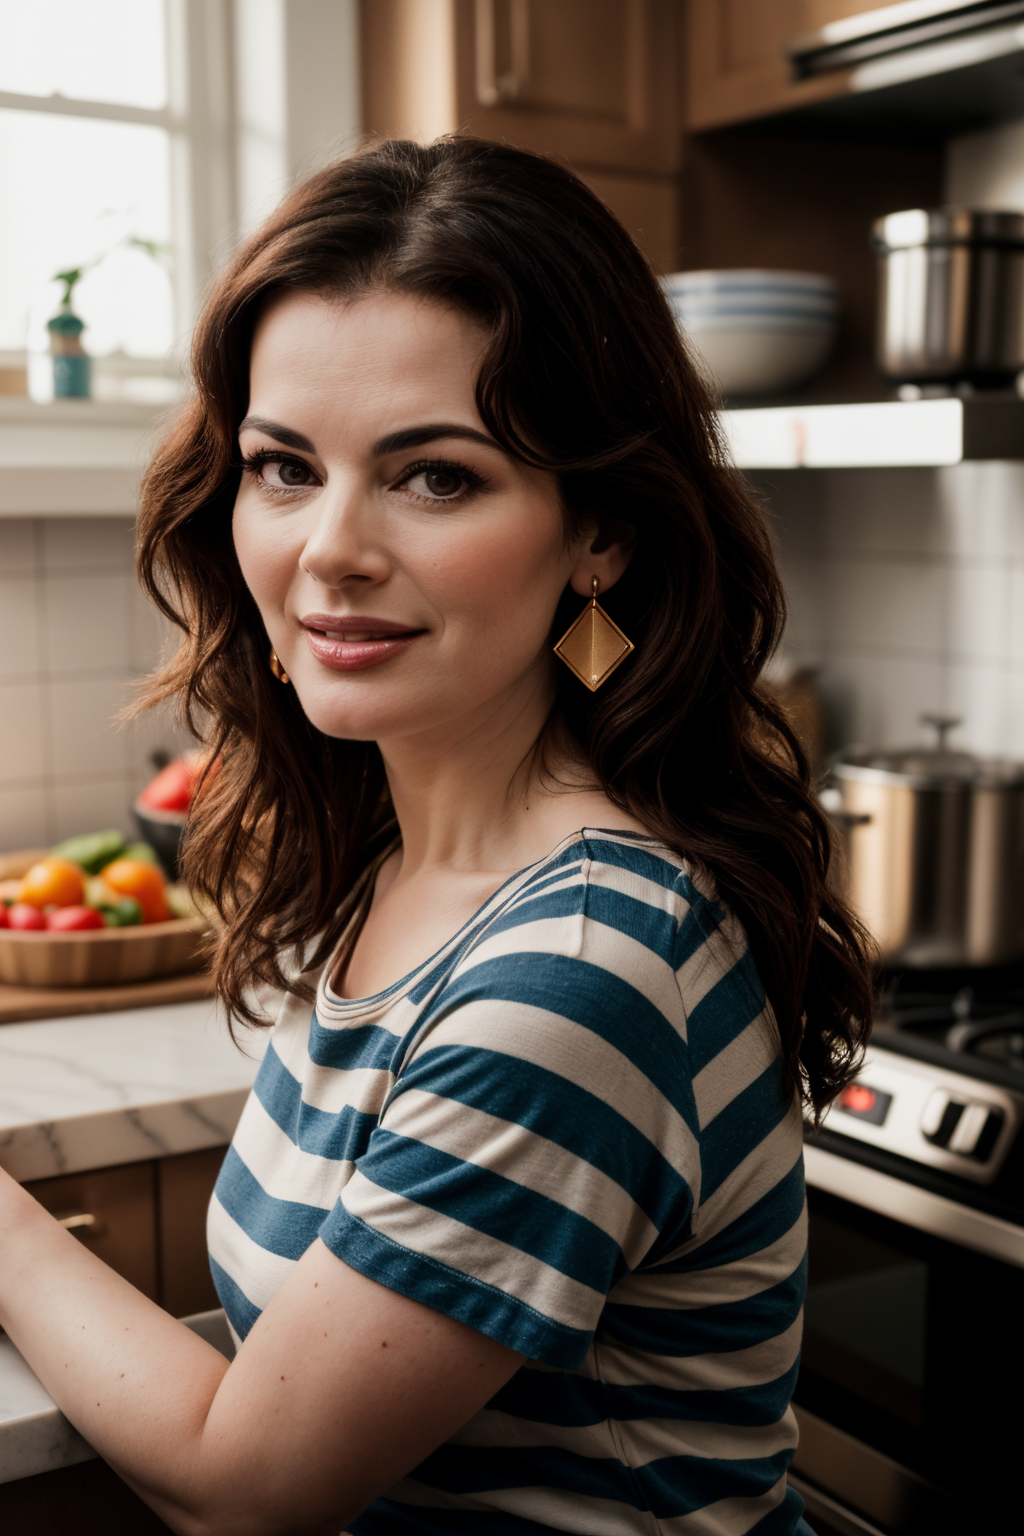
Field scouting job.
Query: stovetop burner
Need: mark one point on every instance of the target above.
(941, 1088)
(974, 1016)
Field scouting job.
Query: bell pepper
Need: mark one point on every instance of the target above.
(171, 790)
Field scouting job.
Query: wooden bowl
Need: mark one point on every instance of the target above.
(100, 957)
(96, 957)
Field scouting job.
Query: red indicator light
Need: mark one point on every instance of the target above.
(857, 1099)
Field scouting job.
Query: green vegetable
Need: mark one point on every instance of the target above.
(124, 914)
(144, 851)
(92, 850)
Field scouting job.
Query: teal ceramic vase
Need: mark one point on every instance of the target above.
(72, 366)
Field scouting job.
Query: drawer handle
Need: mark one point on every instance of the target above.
(82, 1222)
(492, 88)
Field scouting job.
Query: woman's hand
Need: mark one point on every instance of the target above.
(340, 1389)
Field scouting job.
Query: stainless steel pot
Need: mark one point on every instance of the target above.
(951, 295)
(934, 851)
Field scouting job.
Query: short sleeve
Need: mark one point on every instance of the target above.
(529, 1155)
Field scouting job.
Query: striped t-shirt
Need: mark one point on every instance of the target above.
(571, 1130)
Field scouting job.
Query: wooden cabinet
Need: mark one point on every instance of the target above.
(734, 62)
(113, 1212)
(183, 1188)
(594, 82)
(147, 1221)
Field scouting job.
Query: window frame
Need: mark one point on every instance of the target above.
(199, 119)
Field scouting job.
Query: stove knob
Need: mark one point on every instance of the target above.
(977, 1132)
(941, 1117)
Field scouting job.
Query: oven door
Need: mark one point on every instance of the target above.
(913, 1354)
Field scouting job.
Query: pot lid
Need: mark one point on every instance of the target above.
(947, 226)
(929, 768)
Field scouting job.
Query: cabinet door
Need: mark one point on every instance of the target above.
(593, 80)
(735, 64)
(112, 1212)
(184, 1186)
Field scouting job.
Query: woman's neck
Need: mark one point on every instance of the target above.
(491, 794)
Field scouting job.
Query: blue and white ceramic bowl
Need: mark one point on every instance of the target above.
(760, 332)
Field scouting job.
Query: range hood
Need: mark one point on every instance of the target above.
(932, 64)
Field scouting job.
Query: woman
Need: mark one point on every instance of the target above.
(512, 1227)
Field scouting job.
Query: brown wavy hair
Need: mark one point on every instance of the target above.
(585, 375)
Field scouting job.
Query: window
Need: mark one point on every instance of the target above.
(109, 156)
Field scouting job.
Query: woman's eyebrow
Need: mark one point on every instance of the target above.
(415, 437)
(286, 435)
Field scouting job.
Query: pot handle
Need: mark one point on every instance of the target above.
(943, 724)
(831, 803)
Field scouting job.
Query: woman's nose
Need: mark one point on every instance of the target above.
(345, 543)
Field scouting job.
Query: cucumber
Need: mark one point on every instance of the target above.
(92, 850)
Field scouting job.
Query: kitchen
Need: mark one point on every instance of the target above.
(902, 573)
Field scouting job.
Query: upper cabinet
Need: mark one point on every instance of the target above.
(592, 80)
(735, 61)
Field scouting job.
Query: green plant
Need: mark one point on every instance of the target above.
(73, 275)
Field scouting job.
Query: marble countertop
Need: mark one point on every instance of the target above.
(34, 1435)
(91, 1092)
(101, 1089)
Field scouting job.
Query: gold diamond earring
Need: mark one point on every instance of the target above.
(276, 667)
(593, 646)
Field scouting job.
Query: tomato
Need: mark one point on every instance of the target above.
(24, 918)
(74, 919)
(144, 881)
(55, 881)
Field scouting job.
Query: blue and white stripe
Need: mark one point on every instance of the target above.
(571, 1130)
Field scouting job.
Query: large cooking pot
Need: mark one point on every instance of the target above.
(951, 295)
(934, 851)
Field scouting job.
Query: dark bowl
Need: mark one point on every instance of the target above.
(161, 829)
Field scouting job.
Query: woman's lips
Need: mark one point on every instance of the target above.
(353, 645)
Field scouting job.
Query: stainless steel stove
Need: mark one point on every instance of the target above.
(913, 1358)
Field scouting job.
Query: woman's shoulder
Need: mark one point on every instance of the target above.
(617, 902)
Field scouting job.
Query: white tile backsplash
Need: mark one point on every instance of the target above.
(72, 544)
(982, 697)
(95, 805)
(75, 632)
(894, 605)
(881, 512)
(22, 732)
(19, 633)
(978, 621)
(1015, 616)
(17, 544)
(84, 737)
(916, 599)
(25, 820)
(86, 619)
(875, 702)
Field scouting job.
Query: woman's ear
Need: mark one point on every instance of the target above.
(605, 556)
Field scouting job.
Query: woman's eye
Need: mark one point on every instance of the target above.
(275, 473)
(287, 473)
(441, 483)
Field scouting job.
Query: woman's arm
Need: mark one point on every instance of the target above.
(341, 1388)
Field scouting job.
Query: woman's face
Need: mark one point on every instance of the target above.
(406, 568)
